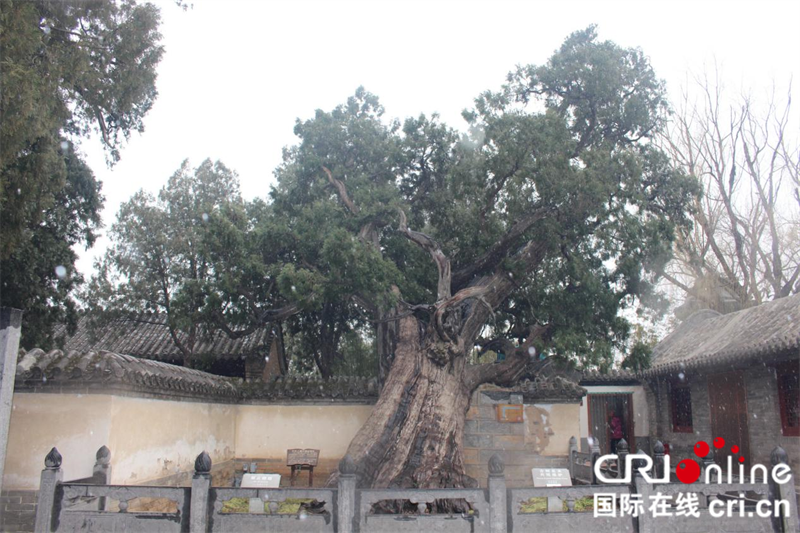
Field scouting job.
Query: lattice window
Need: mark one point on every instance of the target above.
(789, 396)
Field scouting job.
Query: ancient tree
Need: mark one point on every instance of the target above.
(527, 235)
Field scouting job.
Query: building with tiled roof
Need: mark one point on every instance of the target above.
(147, 336)
(733, 376)
(707, 339)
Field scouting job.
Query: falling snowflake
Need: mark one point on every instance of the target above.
(61, 271)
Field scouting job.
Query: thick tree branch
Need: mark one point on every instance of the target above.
(264, 317)
(478, 292)
(499, 251)
(519, 362)
(430, 246)
(342, 190)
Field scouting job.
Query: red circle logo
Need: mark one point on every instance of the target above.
(701, 449)
(719, 442)
(688, 471)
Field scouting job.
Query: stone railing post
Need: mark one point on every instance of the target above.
(642, 487)
(346, 502)
(10, 328)
(201, 485)
(573, 449)
(498, 497)
(47, 506)
(787, 521)
(708, 460)
(658, 459)
(102, 472)
(594, 450)
(622, 453)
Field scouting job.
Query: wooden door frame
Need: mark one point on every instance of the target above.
(711, 417)
(631, 426)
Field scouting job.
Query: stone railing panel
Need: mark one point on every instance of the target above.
(569, 520)
(477, 521)
(76, 513)
(263, 510)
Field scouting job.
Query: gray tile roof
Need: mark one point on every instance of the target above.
(107, 371)
(708, 339)
(613, 376)
(312, 388)
(147, 336)
(541, 389)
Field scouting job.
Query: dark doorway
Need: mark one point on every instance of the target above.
(727, 401)
(602, 408)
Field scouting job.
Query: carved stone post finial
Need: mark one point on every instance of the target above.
(498, 497)
(496, 465)
(53, 459)
(201, 485)
(346, 501)
(622, 453)
(103, 456)
(202, 465)
(658, 458)
(48, 487)
(779, 456)
(347, 466)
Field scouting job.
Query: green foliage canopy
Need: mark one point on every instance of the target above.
(67, 68)
(560, 157)
(554, 189)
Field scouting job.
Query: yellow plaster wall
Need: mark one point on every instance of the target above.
(267, 431)
(75, 424)
(151, 439)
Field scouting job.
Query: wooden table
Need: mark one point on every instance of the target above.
(302, 459)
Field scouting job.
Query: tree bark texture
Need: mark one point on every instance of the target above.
(414, 434)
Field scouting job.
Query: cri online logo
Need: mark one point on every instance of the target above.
(688, 470)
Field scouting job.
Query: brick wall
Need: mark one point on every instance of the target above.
(681, 444)
(764, 419)
(541, 440)
(18, 510)
(763, 411)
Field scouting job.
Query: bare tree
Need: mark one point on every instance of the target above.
(744, 248)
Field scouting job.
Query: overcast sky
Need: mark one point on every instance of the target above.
(237, 74)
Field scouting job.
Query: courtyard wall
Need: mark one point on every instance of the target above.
(540, 440)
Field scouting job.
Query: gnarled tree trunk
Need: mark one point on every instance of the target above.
(414, 434)
(413, 437)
